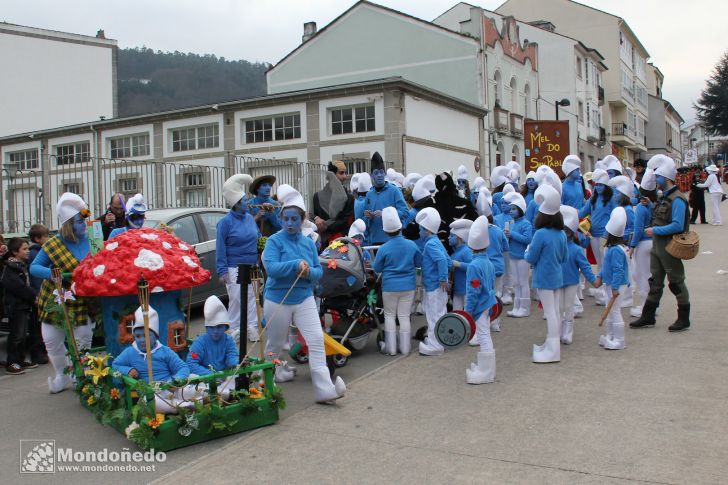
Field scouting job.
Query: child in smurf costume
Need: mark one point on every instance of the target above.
(461, 256)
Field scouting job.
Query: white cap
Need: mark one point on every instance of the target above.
(290, 197)
(354, 183)
(570, 163)
(153, 320)
(514, 198)
(365, 182)
(711, 168)
(667, 169)
(391, 175)
(613, 163)
(358, 228)
(308, 229)
(498, 176)
(531, 175)
(617, 222)
(600, 176)
(648, 180)
(484, 202)
(548, 198)
(136, 204)
(513, 175)
(546, 176)
(478, 183)
(478, 238)
(656, 160)
(215, 312)
(429, 218)
(69, 204)
(398, 179)
(235, 187)
(462, 173)
(390, 220)
(571, 217)
(623, 185)
(508, 189)
(421, 189)
(411, 179)
(600, 164)
(514, 165)
(461, 228)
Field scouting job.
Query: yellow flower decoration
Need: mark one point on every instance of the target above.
(153, 423)
(160, 417)
(90, 400)
(335, 244)
(98, 362)
(84, 389)
(97, 373)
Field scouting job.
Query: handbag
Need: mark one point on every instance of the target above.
(684, 246)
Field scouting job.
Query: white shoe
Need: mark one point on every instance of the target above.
(636, 312)
(484, 372)
(324, 390)
(253, 334)
(427, 348)
(506, 299)
(284, 375)
(602, 340)
(567, 332)
(600, 302)
(473, 342)
(405, 343)
(59, 383)
(617, 340)
(388, 346)
(592, 291)
(495, 325)
(549, 352)
(524, 308)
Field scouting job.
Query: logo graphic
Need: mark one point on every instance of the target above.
(37, 456)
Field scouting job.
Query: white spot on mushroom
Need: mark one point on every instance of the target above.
(151, 237)
(184, 246)
(157, 289)
(113, 281)
(99, 270)
(166, 245)
(149, 260)
(188, 261)
(112, 246)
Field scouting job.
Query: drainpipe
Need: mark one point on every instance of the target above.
(94, 165)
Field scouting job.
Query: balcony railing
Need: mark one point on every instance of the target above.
(516, 124)
(620, 129)
(501, 120)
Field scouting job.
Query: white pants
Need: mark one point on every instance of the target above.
(435, 306)
(519, 270)
(507, 281)
(641, 266)
(550, 302)
(482, 332)
(233, 291)
(567, 297)
(614, 317)
(55, 341)
(397, 304)
(597, 246)
(715, 199)
(458, 303)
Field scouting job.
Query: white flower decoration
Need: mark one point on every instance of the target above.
(111, 246)
(166, 245)
(184, 246)
(149, 260)
(188, 261)
(113, 281)
(151, 237)
(99, 270)
(157, 289)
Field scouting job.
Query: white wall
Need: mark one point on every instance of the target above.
(426, 159)
(47, 83)
(438, 123)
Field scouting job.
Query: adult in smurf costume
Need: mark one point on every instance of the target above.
(292, 263)
(136, 209)
(381, 195)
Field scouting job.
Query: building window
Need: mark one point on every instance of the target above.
(193, 186)
(497, 89)
(586, 72)
(197, 138)
(514, 95)
(73, 153)
(128, 186)
(73, 187)
(578, 67)
(129, 146)
(359, 119)
(580, 112)
(283, 127)
(527, 93)
(588, 114)
(26, 160)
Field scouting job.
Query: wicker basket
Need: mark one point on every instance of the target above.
(684, 246)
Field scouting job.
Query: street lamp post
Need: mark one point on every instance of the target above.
(563, 102)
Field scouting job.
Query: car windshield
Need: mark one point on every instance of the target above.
(150, 223)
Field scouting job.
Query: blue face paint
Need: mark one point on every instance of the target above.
(291, 219)
(264, 190)
(423, 233)
(79, 227)
(135, 221)
(612, 173)
(515, 185)
(531, 184)
(139, 339)
(661, 181)
(242, 206)
(505, 207)
(599, 188)
(515, 212)
(452, 240)
(216, 332)
(378, 177)
(575, 175)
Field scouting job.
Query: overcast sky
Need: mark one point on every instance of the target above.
(684, 37)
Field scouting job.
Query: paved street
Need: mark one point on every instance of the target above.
(655, 412)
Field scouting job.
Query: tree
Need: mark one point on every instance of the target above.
(712, 107)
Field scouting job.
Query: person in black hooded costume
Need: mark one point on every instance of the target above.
(451, 206)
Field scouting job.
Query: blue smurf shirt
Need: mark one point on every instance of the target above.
(575, 263)
(464, 255)
(498, 245)
(397, 261)
(615, 269)
(435, 264)
(546, 253)
(480, 285)
(642, 220)
(600, 212)
(521, 235)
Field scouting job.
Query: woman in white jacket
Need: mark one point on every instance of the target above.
(716, 193)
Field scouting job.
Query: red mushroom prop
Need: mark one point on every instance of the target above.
(166, 262)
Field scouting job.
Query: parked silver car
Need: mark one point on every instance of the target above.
(198, 227)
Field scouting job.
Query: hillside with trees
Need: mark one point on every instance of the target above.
(152, 81)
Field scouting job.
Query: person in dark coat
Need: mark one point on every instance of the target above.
(333, 206)
(451, 206)
(38, 236)
(115, 215)
(697, 199)
(19, 300)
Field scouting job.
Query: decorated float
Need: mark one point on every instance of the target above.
(148, 267)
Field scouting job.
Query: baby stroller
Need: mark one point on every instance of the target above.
(348, 297)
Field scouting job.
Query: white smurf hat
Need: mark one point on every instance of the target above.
(656, 160)
(623, 185)
(648, 180)
(570, 163)
(600, 176)
(548, 198)
(484, 202)
(513, 175)
(514, 198)
(136, 204)
(546, 176)
(531, 175)
(478, 183)
(290, 197)
(617, 222)
(429, 218)
(600, 164)
(215, 312)
(153, 320)
(235, 188)
(667, 169)
(508, 189)
(498, 176)
(613, 163)
(571, 217)
(411, 179)
(308, 229)
(478, 238)
(69, 204)
(364, 182)
(358, 228)
(462, 173)
(390, 220)
(354, 183)
(711, 168)
(461, 228)
(421, 189)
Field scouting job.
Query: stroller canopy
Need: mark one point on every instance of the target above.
(343, 267)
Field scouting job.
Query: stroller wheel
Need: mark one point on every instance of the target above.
(339, 360)
(298, 354)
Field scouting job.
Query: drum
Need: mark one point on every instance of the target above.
(496, 309)
(453, 330)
